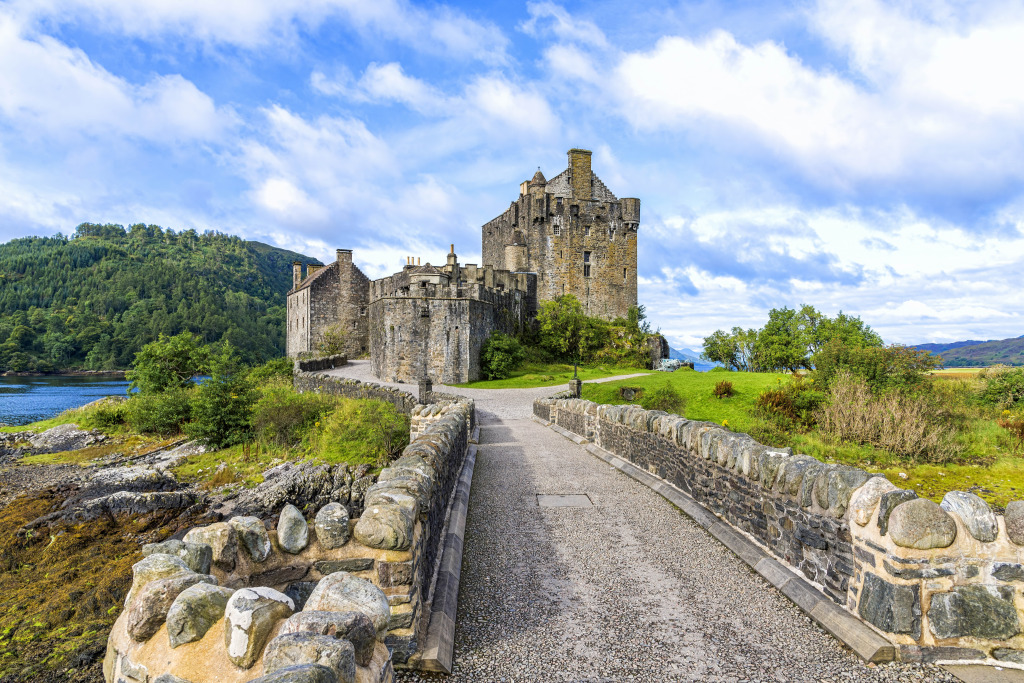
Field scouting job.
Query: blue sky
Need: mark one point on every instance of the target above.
(855, 155)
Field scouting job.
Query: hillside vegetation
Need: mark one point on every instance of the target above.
(978, 354)
(91, 301)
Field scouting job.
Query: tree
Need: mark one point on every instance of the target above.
(332, 343)
(782, 342)
(721, 347)
(168, 363)
(501, 354)
(565, 329)
(222, 406)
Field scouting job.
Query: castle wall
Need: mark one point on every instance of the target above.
(297, 331)
(577, 237)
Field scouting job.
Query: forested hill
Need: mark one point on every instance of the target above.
(92, 300)
(979, 353)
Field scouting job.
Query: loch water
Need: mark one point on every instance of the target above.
(29, 399)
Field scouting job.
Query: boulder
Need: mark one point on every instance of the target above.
(197, 556)
(304, 673)
(331, 526)
(153, 567)
(152, 602)
(249, 617)
(975, 610)
(292, 530)
(355, 627)
(222, 539)
(921, 524)
(342, 592)
(887, 502)
(1014, 518)
(194, 611)
(66, 437)
(865, 499)
(294, 649)
(253, 536)
(975, 513)
(387, 523)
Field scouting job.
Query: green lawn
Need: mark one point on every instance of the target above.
(549, 375)
(697, 388)
(991, 468)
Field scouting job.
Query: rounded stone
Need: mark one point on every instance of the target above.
(152, 603)
(342, 592)
(152, 568)
(1014, 518)
(355, 627)
(195, 611)
(249, 617)
(222, 538)
(865, 499)
(292, 530)
(331, 526)
(388, 521)
(303, 673)
(197, 556)
(253, 536)
(975, 513)
(921, 524)
(295, 649)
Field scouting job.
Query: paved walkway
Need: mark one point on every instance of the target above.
(627, 589)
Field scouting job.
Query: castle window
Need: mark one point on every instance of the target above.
(623, 274)
(362, 310)
(611, 234)
(586, 231)
(559, 202)
(557, 230)
(586, 264)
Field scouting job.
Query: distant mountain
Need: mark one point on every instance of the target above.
(968, 354)
(692, 356)
(92, 300)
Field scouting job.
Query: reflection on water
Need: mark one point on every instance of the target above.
(28, 399)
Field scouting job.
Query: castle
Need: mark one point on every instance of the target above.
(569, 235)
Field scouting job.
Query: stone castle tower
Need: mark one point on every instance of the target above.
(574, 234)
(569, 235)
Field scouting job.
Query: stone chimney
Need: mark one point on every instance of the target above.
(579, 171)
(344, 256)
(296, 273)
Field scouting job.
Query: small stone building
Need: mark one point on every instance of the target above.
(336, 296)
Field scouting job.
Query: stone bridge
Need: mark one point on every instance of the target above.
(608, 543)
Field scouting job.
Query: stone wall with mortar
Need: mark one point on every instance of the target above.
(943, 581)
(341, 599)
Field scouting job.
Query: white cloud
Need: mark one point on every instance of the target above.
(51, 90)
(256, 23)
(548, 18)
(384, 83)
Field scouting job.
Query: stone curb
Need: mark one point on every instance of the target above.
(845, 627)
(439, 644)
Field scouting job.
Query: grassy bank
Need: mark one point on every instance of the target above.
(989, 464)
(532, 375)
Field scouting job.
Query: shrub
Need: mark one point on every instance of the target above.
(222, 405)
(790, 405)
(332, 343)
(1016, 427)
(161, 413)
(283, 415)
(664, 398)
(276, 369)
(719, 369)
(723, 389)
(1004, 388)
(883, 368)
(500, 356)
(357, 431)
(106, 414)
(769, 433)
(904, 424)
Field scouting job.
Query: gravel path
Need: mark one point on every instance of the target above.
(628, 589)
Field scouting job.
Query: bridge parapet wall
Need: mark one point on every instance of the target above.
(941, 581)
(250, 596)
